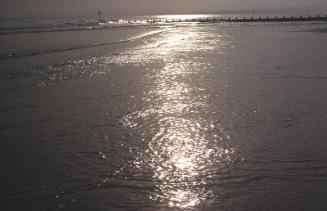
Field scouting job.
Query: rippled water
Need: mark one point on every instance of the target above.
(184, 147)
(193, 117)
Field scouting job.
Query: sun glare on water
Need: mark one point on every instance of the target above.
(185, 145)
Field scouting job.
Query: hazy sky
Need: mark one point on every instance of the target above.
(111, 8)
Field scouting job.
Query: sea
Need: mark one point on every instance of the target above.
(162, 113)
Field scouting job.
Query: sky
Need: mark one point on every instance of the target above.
(117, 8)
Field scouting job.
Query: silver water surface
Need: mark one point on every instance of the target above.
(196, 117)
(184, 147)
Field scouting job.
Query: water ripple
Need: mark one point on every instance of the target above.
(184, 147)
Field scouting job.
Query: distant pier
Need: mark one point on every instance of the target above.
(276, 19)
(247, 19)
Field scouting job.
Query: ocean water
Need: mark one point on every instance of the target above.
(131, 115)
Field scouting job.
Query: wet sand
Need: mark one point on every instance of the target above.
(199, 117)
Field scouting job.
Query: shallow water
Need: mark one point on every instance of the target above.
(195, 117)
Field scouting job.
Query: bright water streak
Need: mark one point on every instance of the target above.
(184, 146)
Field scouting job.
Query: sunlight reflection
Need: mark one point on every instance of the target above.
(181, 153)
(184, 17)
(182, 157)
(185, 146)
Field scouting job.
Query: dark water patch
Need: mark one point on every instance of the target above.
(94, 45)
(319, 30)
(14, 55)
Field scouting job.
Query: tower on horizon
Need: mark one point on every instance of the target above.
(99, 15)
